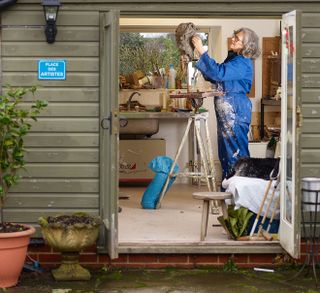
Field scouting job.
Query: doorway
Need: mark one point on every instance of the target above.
(178, 220)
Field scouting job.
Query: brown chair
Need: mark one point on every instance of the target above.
(207, 196)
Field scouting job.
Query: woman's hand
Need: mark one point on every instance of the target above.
(197, 43)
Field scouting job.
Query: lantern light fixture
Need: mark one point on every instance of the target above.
(50, 9)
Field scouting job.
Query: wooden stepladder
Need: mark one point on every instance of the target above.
(202, 138)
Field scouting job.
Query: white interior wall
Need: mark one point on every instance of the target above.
(219, 31)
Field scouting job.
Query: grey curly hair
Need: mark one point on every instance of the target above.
(250, 43)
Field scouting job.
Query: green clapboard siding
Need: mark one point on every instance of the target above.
(310, 126)
(66, 125)
(69, 110)
(32, 215)
(67, 155)
(310, 50)
(62, 172)
(49, 200)
(55, 170)
(310, 35)
(310, 140)
(310, 95)
(30, 78)
(311, 111)
(311, 65)
(57, 185)
(311, 80)
(59, 94)
(310, 170)
(66, 18)
(311, 20)
(62, 140)
(44, 50)
(65, 34)
(310, 156)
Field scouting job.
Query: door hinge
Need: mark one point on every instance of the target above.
(299, 117)
(106, 223)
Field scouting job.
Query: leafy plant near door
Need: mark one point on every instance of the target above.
(15, 123)
(237, 222)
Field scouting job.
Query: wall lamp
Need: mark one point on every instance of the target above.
(50, 9)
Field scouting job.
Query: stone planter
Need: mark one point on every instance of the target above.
(70, 240)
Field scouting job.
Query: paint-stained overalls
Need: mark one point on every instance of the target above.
(233, 109)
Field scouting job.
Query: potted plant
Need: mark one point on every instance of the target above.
(14, 125)
(70, 234)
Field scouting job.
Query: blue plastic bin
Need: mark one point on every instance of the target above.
(161, 166)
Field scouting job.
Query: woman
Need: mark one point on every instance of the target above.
(233, 110)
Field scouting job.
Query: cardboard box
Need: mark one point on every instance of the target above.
(135, 156)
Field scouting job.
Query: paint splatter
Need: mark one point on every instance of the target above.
(226, 115)
(236, 153)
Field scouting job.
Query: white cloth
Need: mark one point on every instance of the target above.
(249, 192)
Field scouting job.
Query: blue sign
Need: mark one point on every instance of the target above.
(51, 69)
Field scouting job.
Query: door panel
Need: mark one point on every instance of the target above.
(290, 135)
(109, 134)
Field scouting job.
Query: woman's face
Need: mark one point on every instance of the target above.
(237, 42)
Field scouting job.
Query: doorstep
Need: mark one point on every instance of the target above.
(221, 247)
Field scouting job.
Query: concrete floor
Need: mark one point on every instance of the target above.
(177, 221)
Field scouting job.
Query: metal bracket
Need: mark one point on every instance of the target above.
(106, 223)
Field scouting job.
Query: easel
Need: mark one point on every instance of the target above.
(200, 123)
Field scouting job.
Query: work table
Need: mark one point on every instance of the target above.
(154, 115)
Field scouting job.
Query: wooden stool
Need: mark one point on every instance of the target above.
(207, 196)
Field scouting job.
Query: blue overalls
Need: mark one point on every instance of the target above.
(233, 109)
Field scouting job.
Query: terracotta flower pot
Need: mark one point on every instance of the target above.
(13, 250)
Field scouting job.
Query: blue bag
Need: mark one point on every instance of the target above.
(161, 166)
(274, 228)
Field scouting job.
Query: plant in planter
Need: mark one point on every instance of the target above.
(70, 234)
(14, 125)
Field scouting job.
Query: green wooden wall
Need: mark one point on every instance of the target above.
(63, 158)
(310, 83)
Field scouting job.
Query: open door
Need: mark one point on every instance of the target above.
(109, 134)
(290, 132)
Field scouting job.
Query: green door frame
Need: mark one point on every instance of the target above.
(109, 134)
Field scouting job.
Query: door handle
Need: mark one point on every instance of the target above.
(110, 123)
(106, 123)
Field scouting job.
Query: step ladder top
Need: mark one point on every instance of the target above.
(211, 195)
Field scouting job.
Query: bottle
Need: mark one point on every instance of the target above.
(164, 100)
(172, 77)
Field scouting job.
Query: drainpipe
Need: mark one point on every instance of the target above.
(6, 3)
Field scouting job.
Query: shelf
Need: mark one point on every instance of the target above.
(266, 102)
(270, 102)
(154, 115)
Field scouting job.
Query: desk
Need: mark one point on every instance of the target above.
(266, 102)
